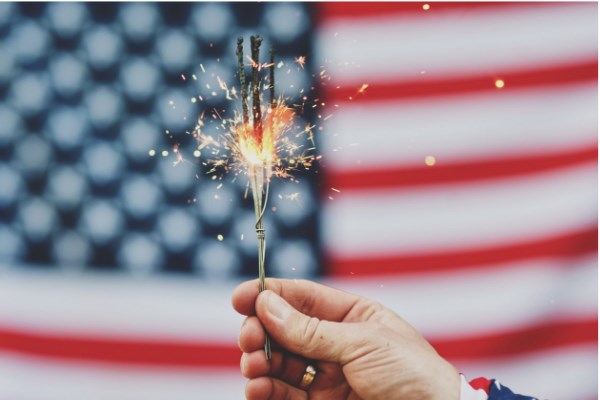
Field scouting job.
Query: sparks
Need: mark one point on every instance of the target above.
(300, 60)
(360, 90)
(261, 141)
(260, 147)
(257, 65)
(177, 153)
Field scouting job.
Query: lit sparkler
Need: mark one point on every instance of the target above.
(257, 142)
(255, 146)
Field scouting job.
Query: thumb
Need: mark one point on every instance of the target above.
(307, 336)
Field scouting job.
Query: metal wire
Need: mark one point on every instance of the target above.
(260, 205)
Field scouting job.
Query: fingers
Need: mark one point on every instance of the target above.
(309, 336)
(265, 388)
(324, 387)
(308, 297)
(284, 367)
(253, 364)
(252, 335)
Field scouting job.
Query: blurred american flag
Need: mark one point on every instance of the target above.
(458, 186)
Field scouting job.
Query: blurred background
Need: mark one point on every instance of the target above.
(457, 185)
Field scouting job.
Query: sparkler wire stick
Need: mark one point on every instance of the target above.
(258, 174)
(257, 182)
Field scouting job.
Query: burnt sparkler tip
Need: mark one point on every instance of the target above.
(272, 76)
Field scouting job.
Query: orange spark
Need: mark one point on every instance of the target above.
(178, 156)
(360, 90)
(256, 65)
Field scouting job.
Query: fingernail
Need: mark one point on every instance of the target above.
(241, 332)
(277, 307)
(243, 362)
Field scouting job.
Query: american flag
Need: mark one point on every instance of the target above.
(457, 186)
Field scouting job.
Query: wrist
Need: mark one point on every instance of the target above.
(448, 383)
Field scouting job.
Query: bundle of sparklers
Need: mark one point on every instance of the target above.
(257, 144)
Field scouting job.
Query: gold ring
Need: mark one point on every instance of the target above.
(308, 377)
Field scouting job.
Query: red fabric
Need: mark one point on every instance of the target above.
(481, 383)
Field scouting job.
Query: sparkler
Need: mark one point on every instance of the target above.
(256, 142)
(257, 146)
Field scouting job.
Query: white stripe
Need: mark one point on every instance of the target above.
(572, 375)
(455, 43)
(481, 302)
(472, 127)
(175, 308)
(564, 374)
(438, 306)
(36, 379)
(460, 216)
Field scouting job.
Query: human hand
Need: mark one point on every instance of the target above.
(360, 349)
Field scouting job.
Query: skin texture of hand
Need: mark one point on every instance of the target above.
(360, 349)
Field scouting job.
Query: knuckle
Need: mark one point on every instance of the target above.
(370, 310)
(310, 334)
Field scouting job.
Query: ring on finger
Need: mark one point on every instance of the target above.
(309, 376)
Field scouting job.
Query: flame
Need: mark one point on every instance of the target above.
(259, 147)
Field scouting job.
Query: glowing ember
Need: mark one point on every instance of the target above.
(260, 146)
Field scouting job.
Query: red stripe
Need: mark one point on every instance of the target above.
(445, 173)
(175, 354)
(584, 71)
(361, 10)
(544, 336)
(568, 245)
(119, 350)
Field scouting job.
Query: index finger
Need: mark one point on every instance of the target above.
(310, 298)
